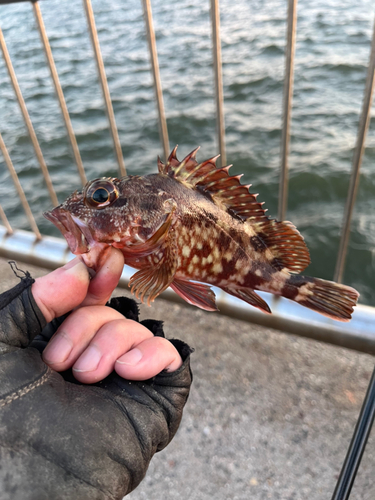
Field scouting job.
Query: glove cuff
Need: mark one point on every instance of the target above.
(26, 281)
(21, 318)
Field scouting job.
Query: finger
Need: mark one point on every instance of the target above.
(147, 359)
(75, 334)
(106, 279)
(93, 338)
(110, 342)
(60, 291)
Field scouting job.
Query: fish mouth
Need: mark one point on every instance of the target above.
(76, 233)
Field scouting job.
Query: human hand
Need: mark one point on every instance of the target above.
(95, 339)
(63, 439)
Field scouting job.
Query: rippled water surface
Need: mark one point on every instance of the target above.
(333, 46)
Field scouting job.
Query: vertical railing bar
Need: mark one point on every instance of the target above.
(4, 218)
(104, 84)
(18, 186)
(219, 94)
(163, 130)
(59, 92)
(357, 161)
(287, 106)
(357, 445)
(27, 120)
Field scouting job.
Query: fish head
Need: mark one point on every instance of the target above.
(123, 213)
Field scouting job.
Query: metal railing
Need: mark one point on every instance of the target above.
(357, 334)
(53, 252)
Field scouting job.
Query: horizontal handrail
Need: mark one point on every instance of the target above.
(4, 2)
(358, 334)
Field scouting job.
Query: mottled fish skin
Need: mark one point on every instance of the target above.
(194, 223)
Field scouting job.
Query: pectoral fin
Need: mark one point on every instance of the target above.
(158, 275)
(195, 294)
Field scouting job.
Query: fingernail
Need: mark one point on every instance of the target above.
(131, 357)
(89, 360)
(58, 349)
(72, 263)
(76, 266)
(79, 269)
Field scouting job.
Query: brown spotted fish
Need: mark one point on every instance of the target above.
(191, 223)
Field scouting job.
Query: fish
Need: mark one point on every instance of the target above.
(192, 226)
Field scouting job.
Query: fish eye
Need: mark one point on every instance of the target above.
(100, 193)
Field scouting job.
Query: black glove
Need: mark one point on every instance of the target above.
(64, 440)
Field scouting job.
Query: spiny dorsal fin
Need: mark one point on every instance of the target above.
(224, 190)
(161, 166)
(169, 167)
(282, 238)
(286, 244)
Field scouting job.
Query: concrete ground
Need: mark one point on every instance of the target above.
(270, 415)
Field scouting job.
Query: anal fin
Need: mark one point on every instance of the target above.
(249, 296)
(195, 294)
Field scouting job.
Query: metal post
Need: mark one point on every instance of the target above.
(357, 161)
(59, 92)
(219, 95)
(104, 85)
(18, 186)
(3, 217)
(163, 130)
(357, 446)
(287, 106)
(27, 120)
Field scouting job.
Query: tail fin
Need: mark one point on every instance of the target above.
(326, 297)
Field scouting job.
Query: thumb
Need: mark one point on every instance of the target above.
(62, 290)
